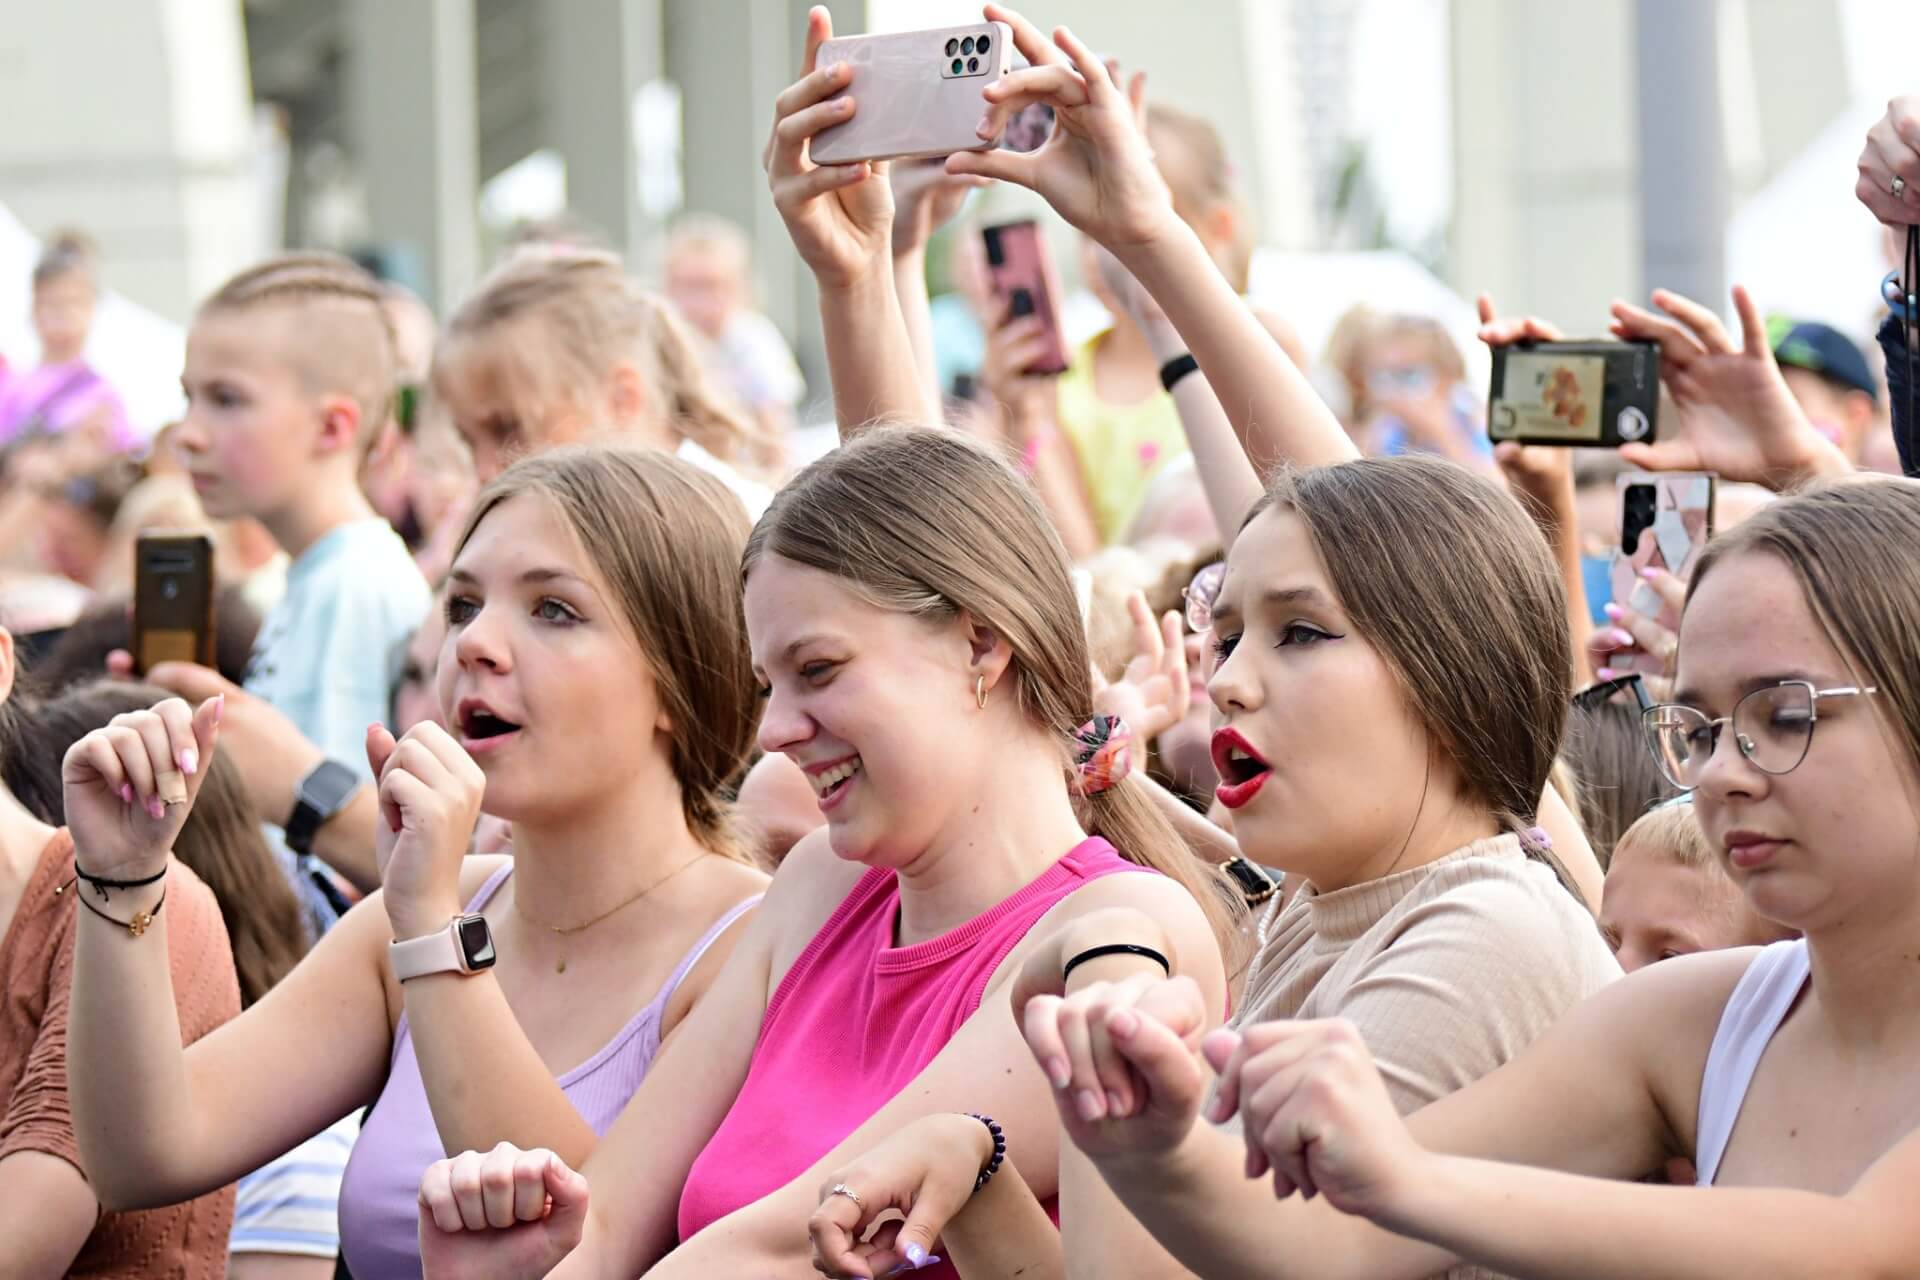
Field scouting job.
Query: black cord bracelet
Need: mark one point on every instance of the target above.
(100, 884)
(999, 1149)
(141, 919)
(1115, 949)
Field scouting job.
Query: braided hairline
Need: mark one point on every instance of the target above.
(302, 276)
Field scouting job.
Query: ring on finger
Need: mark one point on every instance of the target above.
(842, 1189)
(1898, 186)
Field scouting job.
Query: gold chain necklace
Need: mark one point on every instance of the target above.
(559, 930)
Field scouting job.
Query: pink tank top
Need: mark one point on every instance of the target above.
(853, 1022)
(379, 1197)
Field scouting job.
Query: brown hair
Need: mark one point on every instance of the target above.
(1616, 779)
(573, 315)
(345, 343)
(67, 252)
(1452, 583)
(1192, 157)
(929, 523)
(667, 538)
(1836, 538)
(221, 841)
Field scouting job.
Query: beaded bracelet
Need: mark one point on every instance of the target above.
(999, 1150)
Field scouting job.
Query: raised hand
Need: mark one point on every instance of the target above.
(507, 1214)
(925, 198)
(1014, 345)
(1316, 1113)
(841, 223)
(1734, 412)
(430, 793)
(1893, 150)
(1153, 692)
(1097, 169)
(129, 786)
(926, 1171)
(1645, 639)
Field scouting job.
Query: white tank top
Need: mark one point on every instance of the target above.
(1758, 1006)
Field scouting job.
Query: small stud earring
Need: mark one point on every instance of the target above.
(980, 691)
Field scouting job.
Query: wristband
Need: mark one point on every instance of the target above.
(141, 921)
(1175, 369)
(1115, 949)
(999, 1155)
(101, 884)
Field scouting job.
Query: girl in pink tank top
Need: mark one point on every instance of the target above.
(923, 663)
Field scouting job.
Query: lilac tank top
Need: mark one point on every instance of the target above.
(380, 1195)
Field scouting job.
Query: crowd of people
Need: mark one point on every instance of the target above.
(1198, 812)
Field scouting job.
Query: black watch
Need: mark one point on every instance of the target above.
(321, 794)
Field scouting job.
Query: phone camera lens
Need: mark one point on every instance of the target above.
(953, 47)
(973, 64)
(958, 66)
(980, 45)
(966, 46)
(169, 589)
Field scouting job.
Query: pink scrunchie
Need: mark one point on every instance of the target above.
(1103, 753)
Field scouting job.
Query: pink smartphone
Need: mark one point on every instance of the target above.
(1665, 521)
(917, 93)
(1022, 277)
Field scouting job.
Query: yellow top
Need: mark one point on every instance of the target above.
(1121, 447)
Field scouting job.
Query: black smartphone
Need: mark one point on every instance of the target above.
(1596, 395)
(172, 600)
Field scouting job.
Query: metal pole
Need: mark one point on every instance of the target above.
(1684, 198)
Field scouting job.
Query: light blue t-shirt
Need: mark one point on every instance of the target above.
(327, 655)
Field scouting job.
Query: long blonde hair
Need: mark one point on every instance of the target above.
(573, 315)
(667, 538)
(929, 523)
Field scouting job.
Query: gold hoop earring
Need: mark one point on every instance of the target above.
(980, 691)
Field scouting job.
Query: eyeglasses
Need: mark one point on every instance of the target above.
(1598, 695)
(1772, 726)
(1198, 596)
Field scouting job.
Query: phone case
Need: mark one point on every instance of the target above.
(1580, 394)
(173, 600)
(916, 92)
(1665, 521)
(1020, 272)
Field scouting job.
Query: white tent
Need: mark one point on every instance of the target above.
(139, 352)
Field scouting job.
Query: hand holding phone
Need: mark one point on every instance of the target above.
(1021, 276)
(1666, 519)
(1581, 394)
(916, 93)
(172, 600)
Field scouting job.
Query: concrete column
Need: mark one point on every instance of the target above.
(731, 58)
(1683, 164)
(601, 52)
(1546, 203)
(412, 120)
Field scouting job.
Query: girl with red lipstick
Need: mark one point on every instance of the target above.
(598, 696)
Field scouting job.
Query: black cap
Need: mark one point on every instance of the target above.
(1822, 349)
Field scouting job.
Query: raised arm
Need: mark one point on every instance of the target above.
(1098, 173)
(925, 196)
(156, 1124)
(841, 221)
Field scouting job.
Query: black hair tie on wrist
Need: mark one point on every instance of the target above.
(1175, 369)
(100, 884)
(1115, 949)
(999, 1149)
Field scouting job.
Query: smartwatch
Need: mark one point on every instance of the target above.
(321, 794)
(465, 946)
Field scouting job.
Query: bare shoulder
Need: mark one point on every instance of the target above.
(477, 869)
(812, 881)
(731, 885)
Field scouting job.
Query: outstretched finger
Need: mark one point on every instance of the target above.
(1753, 328)
(819, 31)
(1701, 320)
(1100, 86)
(1148, 642)
(1026, 37)
(1174, 647)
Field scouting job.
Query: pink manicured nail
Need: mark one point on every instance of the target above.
(1607, 673)
(1623, 639)
(189, 761)
(126, 793)
(1059, 1073)
(1652, 574)
(1089, 1105)
(156, 808)
(1611, 610)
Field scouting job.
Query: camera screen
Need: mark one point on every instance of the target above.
(1548, 395)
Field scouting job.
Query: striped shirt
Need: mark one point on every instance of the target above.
(291, 1205)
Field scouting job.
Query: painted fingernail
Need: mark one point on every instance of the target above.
(126, 794)
(1088, 1103)
(1611, 610)
(1059, 1073)
(1622, 639)
(1116, 1105)
(219, 706)
(917, 1256)
(1607, 673)
(156, 808)
(1651, 574)
(189, 761)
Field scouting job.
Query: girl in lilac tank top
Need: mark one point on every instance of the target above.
(922, 661)
(581, 708)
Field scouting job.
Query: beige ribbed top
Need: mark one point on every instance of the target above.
(1448, 970)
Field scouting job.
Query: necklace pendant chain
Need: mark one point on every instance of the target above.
(562, 931)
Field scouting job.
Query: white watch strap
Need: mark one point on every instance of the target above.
(438, 952)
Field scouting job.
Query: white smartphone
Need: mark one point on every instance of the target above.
(917, 93)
